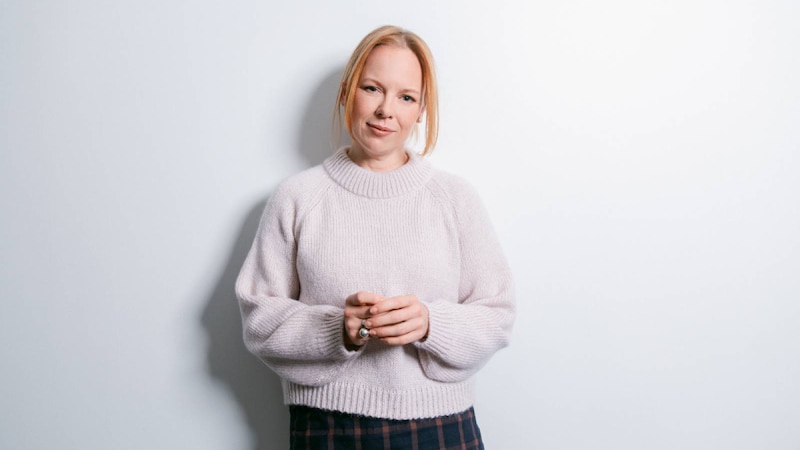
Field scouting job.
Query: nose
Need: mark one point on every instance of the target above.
(384, 109)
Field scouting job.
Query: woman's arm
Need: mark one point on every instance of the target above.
(301, 343)
(463, 335)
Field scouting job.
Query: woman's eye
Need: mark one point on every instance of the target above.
(370, 89)
(408, 98)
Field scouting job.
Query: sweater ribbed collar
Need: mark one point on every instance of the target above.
(406, 178)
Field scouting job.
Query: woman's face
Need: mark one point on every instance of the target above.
(386, 106)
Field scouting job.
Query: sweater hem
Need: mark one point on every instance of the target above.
(435, 400)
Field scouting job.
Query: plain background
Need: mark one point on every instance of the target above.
(639, 160)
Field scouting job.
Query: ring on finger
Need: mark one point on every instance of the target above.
(363, 332)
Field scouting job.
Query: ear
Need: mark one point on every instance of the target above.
(421, 113)
(341, 94)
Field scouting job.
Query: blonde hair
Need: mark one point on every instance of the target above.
(390, 35)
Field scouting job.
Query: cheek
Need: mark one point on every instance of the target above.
(411, 116)
(362, 106)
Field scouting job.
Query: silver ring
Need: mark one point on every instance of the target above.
(363, 323)
(363, 333)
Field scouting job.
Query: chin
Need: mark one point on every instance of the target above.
(383, 149)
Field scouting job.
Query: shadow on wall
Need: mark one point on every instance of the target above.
(256, 388)
(315, 140)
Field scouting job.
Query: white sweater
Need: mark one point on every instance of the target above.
(337, 229)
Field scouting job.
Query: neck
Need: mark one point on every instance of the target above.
(368, 183)
(380, 163)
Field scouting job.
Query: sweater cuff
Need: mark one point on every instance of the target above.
(441, 331)
(331, 337)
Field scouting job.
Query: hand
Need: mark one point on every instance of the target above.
(356, 309)
(398, 320)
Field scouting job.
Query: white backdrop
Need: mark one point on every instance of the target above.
(639, 160)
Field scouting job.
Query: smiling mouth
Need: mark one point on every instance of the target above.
(379, 128)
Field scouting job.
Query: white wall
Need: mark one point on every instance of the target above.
(639, 159)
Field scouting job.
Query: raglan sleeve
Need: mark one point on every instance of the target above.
(301, 343)
(465, 332)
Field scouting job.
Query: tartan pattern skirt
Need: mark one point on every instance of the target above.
(318, 429)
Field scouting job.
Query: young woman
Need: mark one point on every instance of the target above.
(375, 287)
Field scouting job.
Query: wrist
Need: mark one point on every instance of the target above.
(428, 324)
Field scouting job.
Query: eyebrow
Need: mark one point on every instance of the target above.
(402, 91)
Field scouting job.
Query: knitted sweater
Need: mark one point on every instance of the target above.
(337, 229)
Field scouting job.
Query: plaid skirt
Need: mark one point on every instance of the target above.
(315, 429)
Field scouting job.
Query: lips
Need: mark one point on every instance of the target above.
(379, 128)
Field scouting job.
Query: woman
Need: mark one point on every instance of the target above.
(375, 286)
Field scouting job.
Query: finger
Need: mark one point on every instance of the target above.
(408, 312)
(363, 298)
(392, 317)
(353, 327)
(353, 324)
(394, 330)
(358, 312)
(358, 337)
(405, 332)
(389, 304)
(403, 339)
(418, 321)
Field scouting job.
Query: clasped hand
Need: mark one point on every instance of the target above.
(396, 320)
